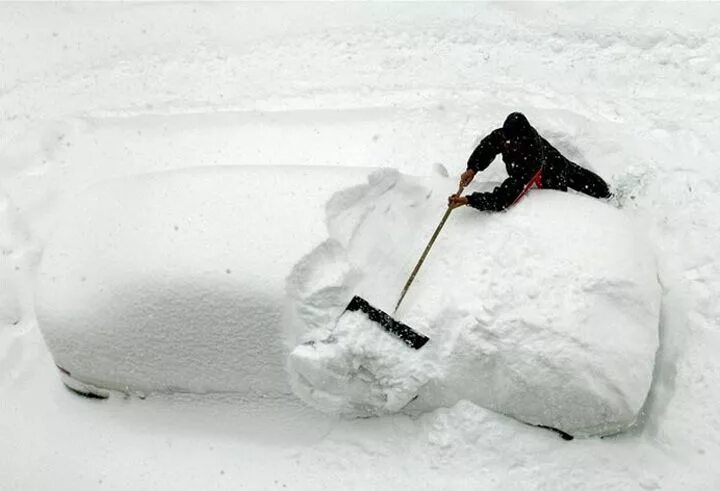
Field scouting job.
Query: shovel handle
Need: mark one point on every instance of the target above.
(425, 252)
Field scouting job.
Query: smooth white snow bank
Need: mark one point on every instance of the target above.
(175, 281)
(548, 313)
(11, 251)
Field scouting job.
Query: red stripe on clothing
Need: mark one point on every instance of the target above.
(535, 181)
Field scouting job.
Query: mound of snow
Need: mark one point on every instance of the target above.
(548, 312)
(176, 281)
(16, 254)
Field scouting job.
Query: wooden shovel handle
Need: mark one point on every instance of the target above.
(425, 252)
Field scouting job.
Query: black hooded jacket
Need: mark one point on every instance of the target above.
(527, 156)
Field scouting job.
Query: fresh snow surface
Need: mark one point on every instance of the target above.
(174, 282)
(548, 313)
(95, 91)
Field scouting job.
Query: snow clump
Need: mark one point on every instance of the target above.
(547, 313)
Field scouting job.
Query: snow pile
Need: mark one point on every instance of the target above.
(175, 281)
(548, 313)
(19, 253)
(11, 240)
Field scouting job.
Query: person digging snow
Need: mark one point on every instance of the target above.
(530, 161)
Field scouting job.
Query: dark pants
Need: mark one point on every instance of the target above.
(561, 174)
(585, 181)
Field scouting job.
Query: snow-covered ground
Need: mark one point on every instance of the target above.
(89, 92)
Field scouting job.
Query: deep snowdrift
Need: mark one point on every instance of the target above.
(175, 281)
(548, 313)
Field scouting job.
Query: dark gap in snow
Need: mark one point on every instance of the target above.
(82, 393)
(562, 434)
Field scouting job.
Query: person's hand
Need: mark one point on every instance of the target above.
(467, 177)
(456, 201)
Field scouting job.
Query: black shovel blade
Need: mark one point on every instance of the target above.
(405, 333)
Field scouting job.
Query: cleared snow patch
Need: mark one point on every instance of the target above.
(548, 312)
(175, 281)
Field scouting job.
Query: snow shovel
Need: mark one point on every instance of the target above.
(402, 331)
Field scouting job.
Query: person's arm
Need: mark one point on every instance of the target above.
(482, 156)
(505, 194)
(485, 152)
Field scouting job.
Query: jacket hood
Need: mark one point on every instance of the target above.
(516, 125)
